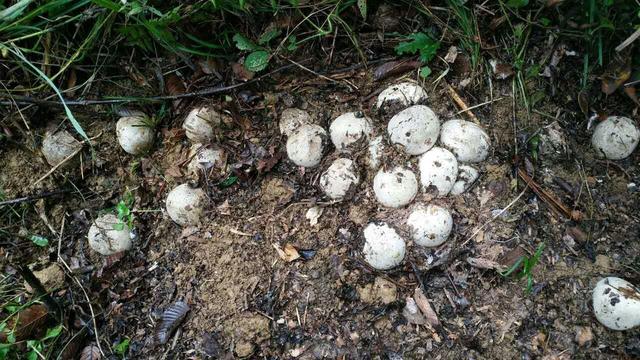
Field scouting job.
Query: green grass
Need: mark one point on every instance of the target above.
(526, 264)
(467, 26)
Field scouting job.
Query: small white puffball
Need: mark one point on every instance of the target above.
(396, 187)
(306, 144)
(339, 178)
(200, 124)
(204, 157)
(430, 226)
(615, 138)
(616, 303)
(134, 135)
(348, 128)
(468, 141)
(438, 168)
(415, 128)
(108, 235)
(375, 149)
(383, 247)
(406, 93)
(58, 146)
(467, 175)
(185, 204)
(291, 119)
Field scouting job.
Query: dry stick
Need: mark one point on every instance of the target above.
(461, 104)
(629, 40)
(479, 105)
(93, 314)
(33, 197)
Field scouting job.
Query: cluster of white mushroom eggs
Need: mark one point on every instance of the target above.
(415, 130)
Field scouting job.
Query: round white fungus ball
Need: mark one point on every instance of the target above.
(306, 144)
(439, 169)
(430, 226)
(406, 93)
(348, 128)
(466, 140)
(291, 119)
(467, 175)
(375, 149)
(415, 128)
(58, 146)
(615, 138)
(185, 204)
(339, 178)
(204, 157)
(108, 235)
(134, 135)
(616, 303)
(396, 187)
(383, 247)
(200, 124)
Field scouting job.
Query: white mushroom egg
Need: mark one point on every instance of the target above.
(204, 157)
(438, 169)
(185, 204)
(406, 93)
(396, 187)
(57, 146)
(383, 247)
(291, 119)
(306, 145)
(468, 141)
(348, 128)
(135, 136)
(415, 128)
(339, 178)
(375, 150)
(467, 175)
(616, 303)
(430, 226)
(200, 124)
(108, 235)
(615, 138)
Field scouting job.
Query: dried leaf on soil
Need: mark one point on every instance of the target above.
(393, 68)
(288, 254)
(423, 304)
(171, 318)
(26, 322)
(90, 352)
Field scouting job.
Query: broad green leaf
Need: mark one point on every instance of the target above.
(39, 240)
(268, 36)
(229, 181)
(362, 5)
(243, 43)
(257, 61)
(419, 43)
(53, 332)
(292, 43)
(425, 71)
(14, 11)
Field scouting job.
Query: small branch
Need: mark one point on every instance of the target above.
(633, 37)
(32, 197)
(461, 104)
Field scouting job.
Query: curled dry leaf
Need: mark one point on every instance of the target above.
(26, 322)
(171, 318)
(392, 68)
(90, 352)
(423, 304)
(613, 80)
(288, 254)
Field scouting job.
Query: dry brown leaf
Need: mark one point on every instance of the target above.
(392, 68)
(481, 263)
(241, 73)
(288, 254)
(425, 307)
(631, 93)
(26, 322)
(173, 85)
(611, 82)
(90, 352)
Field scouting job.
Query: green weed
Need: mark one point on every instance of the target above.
(527, 263)
(123, 211)
(419, 43)
(468, 29)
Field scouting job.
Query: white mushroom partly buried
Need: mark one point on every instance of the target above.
(616, 303)
(383, 248)
(467, 175)
(291, 119)
(108, 235)
(415, 128)
(185, 204)
(430, 226)
(615, 138)
(468, 141)
(204, 157)
(438, 170)
(406, 93)
(396, 187)
(135, 135)
(339, 179)
(200, 124)
(57, 146)
(306, 145)
(348, 128)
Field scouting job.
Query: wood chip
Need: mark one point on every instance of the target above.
(423, 304)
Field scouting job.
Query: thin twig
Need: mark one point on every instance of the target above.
(33, 197)
(479, 105)
(461, 104)
(633, 37)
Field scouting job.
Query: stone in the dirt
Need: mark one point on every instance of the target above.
(135, 134)
(58, 146)
(348, 129)
(616, 303)
(305, 146)
(430, 226)
(339, 179)
(108, 235)
(381, 290)
(615, 138)
(584, 335)
(603, 262)
(468, 141)
(291, 119)
(396, 187)
(185, 204)
(51, 277)
(438, 171)
(244, 349)
(383, 247)
(415, 129)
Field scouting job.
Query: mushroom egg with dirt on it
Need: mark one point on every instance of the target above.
(200, 124)
(185, 204)
(306, 144)
(135, 133)
(108, 235)
(616, 303)
(615, 138)
(383, 248)
(340, 179)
